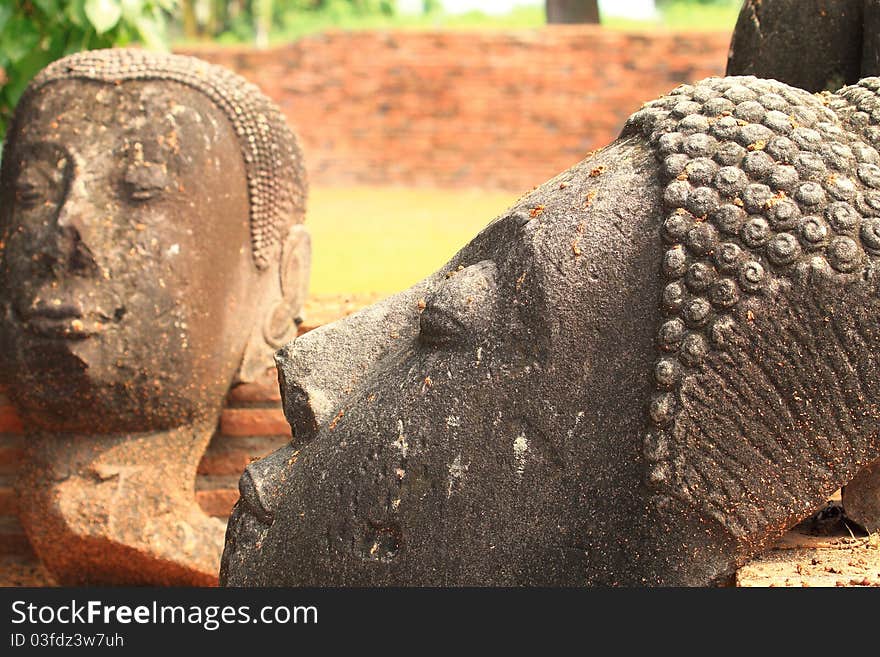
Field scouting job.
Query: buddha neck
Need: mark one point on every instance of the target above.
(175, 450)
(120, 508)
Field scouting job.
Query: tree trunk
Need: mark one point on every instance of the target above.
(219, 17)
(190, 24)
(572, 11)
(262, 10)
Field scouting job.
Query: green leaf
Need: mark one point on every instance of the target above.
(56, 45)
(76, 12)
(19, 38)
(103, 14)
(73, 42)
(132, 10)
(5, 15)
(122, 35)
(24, 71)
(48, 7)
(151, 32)
(168, 5)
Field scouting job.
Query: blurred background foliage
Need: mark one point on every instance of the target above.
(36, 32)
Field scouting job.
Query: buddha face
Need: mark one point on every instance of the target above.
(127, 284)
(468, 431)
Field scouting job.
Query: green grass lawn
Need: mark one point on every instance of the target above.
(368, 239)
(687, 17)
(677, 15)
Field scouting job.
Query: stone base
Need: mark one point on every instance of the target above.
(861, 498)
(797, 560)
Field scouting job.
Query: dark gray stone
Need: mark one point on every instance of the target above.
(818, 45)
(811, 44)
(641, 374)
(150, 254)
(799, 41)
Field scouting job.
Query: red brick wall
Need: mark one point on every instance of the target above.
(501, 109)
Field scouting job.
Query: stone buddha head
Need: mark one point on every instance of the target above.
(809, 44)
(642, 373)
(151, 253)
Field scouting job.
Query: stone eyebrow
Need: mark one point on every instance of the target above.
(45, 147)
(53, 152)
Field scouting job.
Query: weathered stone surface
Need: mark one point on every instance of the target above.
(774, 223)
(861, 498)
(151, 254)
(811, 44)
(224, 460)
(23, 571)
(643, 373)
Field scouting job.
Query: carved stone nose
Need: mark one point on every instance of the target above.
(70, 245)
(317, 371)
(77, 209)
(306, 404)
(71, 216)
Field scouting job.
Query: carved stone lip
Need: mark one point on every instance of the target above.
(73, 329)
(250, 502)
(58, 310)
(59, 320)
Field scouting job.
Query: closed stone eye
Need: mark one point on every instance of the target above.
(28, 194)
(144, 181)
(43, 175)
(31, 189)
(460, 310)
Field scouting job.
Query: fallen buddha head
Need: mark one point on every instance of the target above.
(641, 374)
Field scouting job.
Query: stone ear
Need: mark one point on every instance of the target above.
(279, 324)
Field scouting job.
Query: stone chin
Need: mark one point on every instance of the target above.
(643, 373)
(65, 378)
